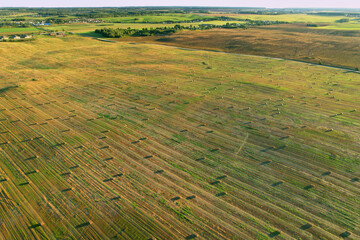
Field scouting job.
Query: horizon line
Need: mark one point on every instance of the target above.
(184, 6)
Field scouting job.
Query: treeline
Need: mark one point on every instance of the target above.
(332, 14)
(249, 23)
(7, 24)
(109, 12)
(139, 11)
(119, 32)
(202, 19)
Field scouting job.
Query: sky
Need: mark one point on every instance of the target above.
(220, 3)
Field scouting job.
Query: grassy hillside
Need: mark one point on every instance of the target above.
(133, 141)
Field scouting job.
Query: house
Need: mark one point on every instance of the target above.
(15, 37)
(57, 34)
(25, 36)
(4, 38)
(60, 34)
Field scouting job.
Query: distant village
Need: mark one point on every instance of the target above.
(49, 22)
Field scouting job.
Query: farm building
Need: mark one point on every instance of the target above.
(2, 38)
(15, 37)
(57, 34)
(25, 36)
(60, 34)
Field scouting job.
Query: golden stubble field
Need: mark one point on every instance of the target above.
(134, 141)
(291, 41)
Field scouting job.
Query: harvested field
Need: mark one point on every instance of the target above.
(114, 161)
(290, 41)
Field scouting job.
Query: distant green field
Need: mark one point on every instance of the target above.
(157, 19)
(343, 26)
(289, 18)
(18, 30)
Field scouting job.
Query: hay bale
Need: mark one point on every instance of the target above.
(274, 234)
(222, 177)
(192, 236)
(345, 234)
(306, 226)
(216, 182)
(67, 189)
(277, 183)
(221, 194)
(36, 225)
(3, 179)
(308, 187)
(115, 198)
(356, 179)
(265, 162)
(191, 197)
(32, 172)
(108, 180)
(215, 149)
(75, 166)
(175, 198)
(118, 175)
(84, 224)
